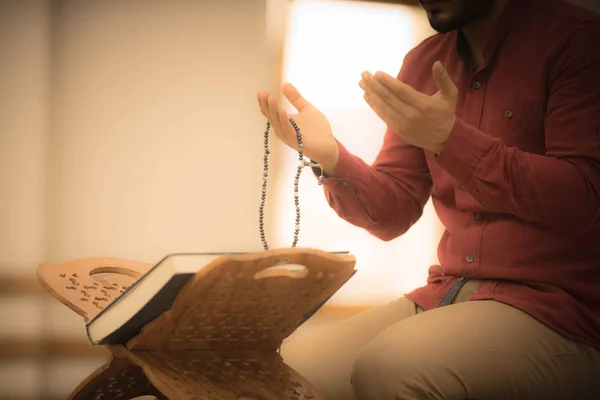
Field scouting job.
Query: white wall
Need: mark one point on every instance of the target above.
(127, 129)
(24, 85)
(24, 90)
(157, 140)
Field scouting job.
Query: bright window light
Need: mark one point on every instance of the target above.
(328, 45)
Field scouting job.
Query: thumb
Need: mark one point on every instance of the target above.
(294, 97)
(443, 81)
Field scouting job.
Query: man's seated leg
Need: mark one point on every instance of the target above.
(326, 357)
(481, 350)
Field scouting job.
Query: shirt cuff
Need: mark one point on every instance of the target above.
(343, 169)
(465, 146)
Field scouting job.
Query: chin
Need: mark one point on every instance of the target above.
(443, 23)
(442, 28)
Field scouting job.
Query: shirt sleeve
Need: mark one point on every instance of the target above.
(561, 188)
(387, 197)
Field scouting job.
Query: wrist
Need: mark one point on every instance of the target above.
(329, 162)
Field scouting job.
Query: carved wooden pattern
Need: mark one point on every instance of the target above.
(219, 339)
(88, 285)
(206, 375)
(118, 379)
(224, 307)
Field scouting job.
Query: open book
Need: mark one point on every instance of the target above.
(198, 326)
(148, 297)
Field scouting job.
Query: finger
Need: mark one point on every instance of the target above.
(265, 104)
(403, 91)
(262, 103)
(443, 81)
(294, 97)
(274, 115)
(377, 110)
(374, 88)
(383, 109)
(288, 133)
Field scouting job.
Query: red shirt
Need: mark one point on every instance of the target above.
(517, 186)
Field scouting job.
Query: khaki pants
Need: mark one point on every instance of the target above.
(481, 350)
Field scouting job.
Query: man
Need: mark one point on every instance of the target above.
(497, 117)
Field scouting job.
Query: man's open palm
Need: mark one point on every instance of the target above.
(318, 142)
(422, 120)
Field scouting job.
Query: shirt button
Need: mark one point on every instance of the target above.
(509, 113)
(344, 183)
(470, 259)
(479, 216)
(460, 187)
(476, 85)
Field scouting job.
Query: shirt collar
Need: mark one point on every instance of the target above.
(509, 17)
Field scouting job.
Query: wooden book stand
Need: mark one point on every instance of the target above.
(219, 339)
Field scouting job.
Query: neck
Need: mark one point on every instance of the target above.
(476, 32)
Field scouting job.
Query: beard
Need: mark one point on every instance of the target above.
(448, 15)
